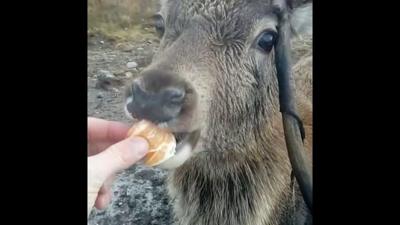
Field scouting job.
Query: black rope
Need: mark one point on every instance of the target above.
(286, 97)
(299, 121)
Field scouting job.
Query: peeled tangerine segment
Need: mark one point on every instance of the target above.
(161, 141)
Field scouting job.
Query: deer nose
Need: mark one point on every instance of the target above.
(174, 95)
(158, 106)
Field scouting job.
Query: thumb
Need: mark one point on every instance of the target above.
(115, 158)
(119, 156)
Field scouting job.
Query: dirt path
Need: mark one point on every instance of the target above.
(139, 193)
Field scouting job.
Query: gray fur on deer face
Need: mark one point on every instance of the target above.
(214, 72)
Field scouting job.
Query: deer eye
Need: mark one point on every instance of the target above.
(159, 24)
(266, 40)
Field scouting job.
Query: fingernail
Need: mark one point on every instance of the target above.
(139, 145)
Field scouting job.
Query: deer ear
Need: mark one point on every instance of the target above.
(301, 20)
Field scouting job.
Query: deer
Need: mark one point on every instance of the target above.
(213, 83)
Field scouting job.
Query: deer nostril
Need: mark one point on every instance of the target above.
(175, 95)
(136, 90)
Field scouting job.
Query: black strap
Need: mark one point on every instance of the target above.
(286, 95)
(299, 121)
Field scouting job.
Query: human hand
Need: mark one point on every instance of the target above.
(109, 152)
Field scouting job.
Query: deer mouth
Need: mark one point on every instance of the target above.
(186, 141)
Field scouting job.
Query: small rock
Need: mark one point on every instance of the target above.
(145, 174)
(106, 79)
(140, 49)
(157, 181)
(99, 95)
(128, 74)
(155, 222)
(165, 201)
(125, 47)
(101, 42)
(119, 203)
(132, 203)
(105, 74)
(131, 65)
(157, 217)
(102, 84)
(145, 218)
(119, 73)
(99, 105)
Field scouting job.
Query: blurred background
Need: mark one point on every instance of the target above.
(120, 20)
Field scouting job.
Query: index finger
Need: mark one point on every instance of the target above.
(104, 130)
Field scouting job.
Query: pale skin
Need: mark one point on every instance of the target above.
(109, 151)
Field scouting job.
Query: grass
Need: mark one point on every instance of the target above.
(121, 20)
